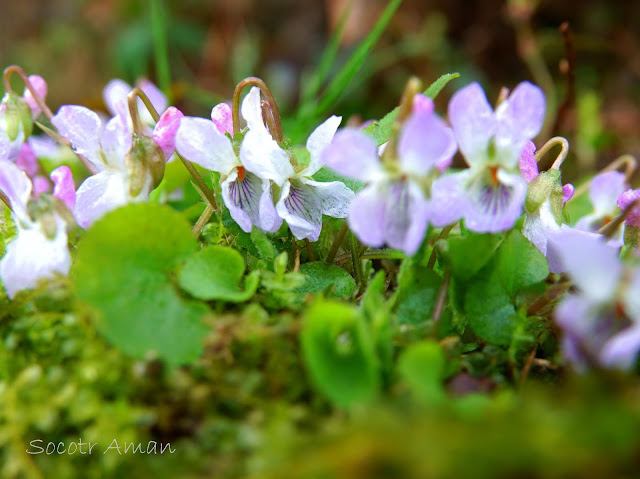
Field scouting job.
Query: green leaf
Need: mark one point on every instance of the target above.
(327, 175)
(490, 311)
(381, 130)
(339, 353)
(264, 245)
(422, 367)
(215, 272)
(466, 255)
(123, 271)
(416, 295)
(339, 83)
(520, 264)
(321, 277)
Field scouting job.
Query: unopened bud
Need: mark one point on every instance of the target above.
(546, 186)
(16, 114)
(144, 158)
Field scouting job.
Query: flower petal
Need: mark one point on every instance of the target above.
(199, 141)
(63, 186)
(604, 191)
(250, 203)
(335, 197)
(567, 192)
(261, 155)
(473, 122)
(624, 200)
(31, 257)
(252, 112)
(114, 95)
(405, 216)
(424, 142)
(27, 160)
(319, 140)
(449, 198)
(621, 350)
(538, 227)
(422, 104)
(164, 133)
(366, 215)
(81, 127)
(40, 86)
(100, 194)
(116, 142)
(301, 208)
(353, 154)
(16, 186)
(591, 263)
(222, 117)
(519, 119)
(528, 163)
(494, 208)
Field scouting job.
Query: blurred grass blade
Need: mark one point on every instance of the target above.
(382, 129)
(160, 47)
(340, 82)
(311, 87)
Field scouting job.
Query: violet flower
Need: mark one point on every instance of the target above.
(393, 208)
(491, 193)
(39, 250)
(601, 322)
(246, 176)
(115, 95)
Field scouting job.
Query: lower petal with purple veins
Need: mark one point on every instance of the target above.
(406, 216)
(301, 207)
(242, 197)
(494, 205)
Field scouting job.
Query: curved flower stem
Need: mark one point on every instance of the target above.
(628, 161)
(443, 234)
(10, 70)
(337, 242)
(355, 259)
(556, 140)
(135, 114)
(610, 228)
(137, 92)
(235, 105)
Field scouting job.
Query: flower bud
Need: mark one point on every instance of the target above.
(546, 186)
(16, 115)
(145, 158)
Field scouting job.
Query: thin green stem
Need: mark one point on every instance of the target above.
(309, 248)
(337, 242)
(556, 140)
(5, 200)
(610, 228)
(442, 295)
(202, 221)
(443, 234)
(10, 70)
(160, 47)
(132, 102)
(355, 258)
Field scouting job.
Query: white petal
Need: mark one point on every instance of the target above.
(200, 142)
(252, 111)
(15, 184)
(319, 140)
(31, 257)
(114, 95)
(100, 194)
(116, 142)
(592, 264)
(81, 127)
(261, 155)
(301, 208)
(335, 197)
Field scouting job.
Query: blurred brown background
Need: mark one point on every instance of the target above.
(78, 45)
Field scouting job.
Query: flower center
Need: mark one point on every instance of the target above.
(494, 175)
(241, 173)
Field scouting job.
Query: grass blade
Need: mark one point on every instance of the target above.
(160, 47)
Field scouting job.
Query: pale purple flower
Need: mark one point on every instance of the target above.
(491, 193)
(303, 201)
(106, 149)
(393, 209)
(64, 187)
(164, 133)
(601, 322)
(245, 178)
(604, 191)
(37, 252)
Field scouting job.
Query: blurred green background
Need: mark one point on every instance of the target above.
(78, 45)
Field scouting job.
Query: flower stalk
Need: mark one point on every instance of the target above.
(275, 113)
(15, 69)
